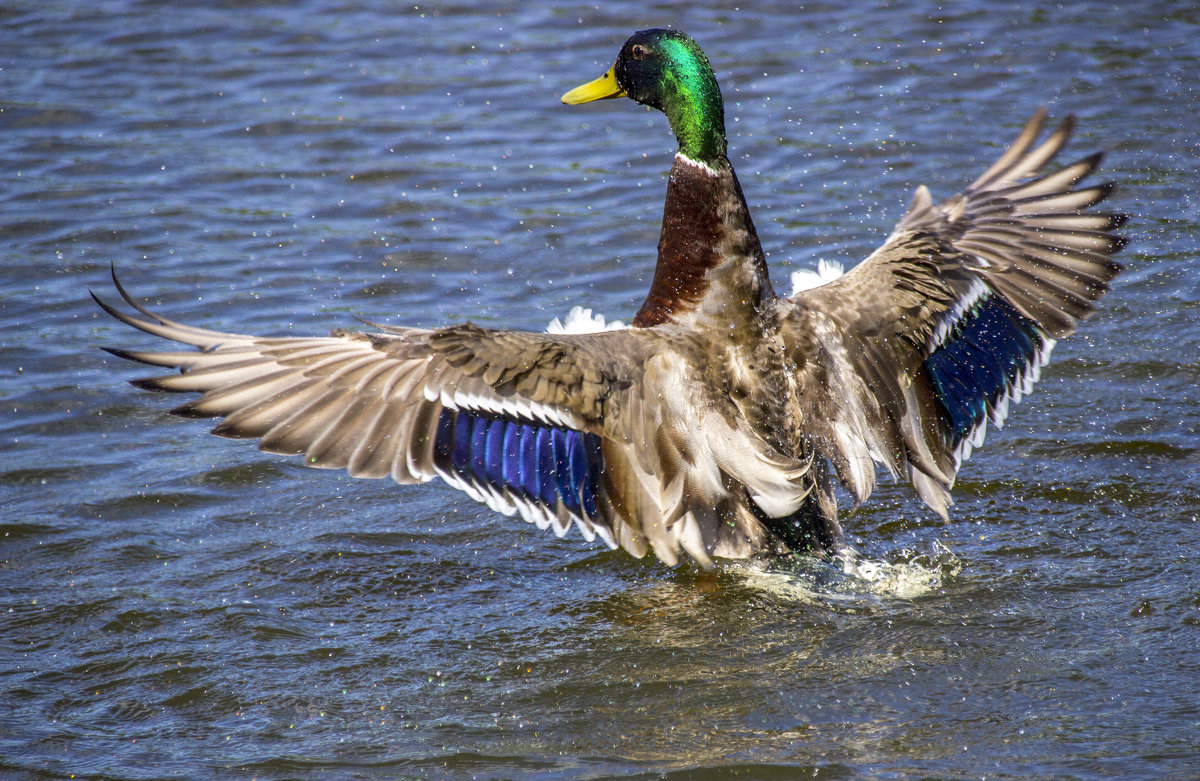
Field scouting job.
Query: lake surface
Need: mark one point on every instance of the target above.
(177, 605)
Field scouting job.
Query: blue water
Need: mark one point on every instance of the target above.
(173, 604)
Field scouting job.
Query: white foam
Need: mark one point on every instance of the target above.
(807, 279)
(582, 321)
(851, 579)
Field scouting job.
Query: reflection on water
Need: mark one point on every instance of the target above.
(179, 605)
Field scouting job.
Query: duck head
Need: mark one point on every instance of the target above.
(666, 70)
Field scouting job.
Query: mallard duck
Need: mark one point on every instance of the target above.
(718, 424)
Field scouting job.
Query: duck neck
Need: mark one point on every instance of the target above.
(710, 263)
(697, 118)
(688, 93)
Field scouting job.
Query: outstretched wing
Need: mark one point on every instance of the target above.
(906, 359)
(562, 429)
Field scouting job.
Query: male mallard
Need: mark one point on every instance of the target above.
(717, 422)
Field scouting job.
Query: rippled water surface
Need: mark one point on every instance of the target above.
(180, 605)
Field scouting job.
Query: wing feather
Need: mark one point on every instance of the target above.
(906, 359)
(607, 420)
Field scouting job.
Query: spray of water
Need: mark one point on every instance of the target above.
(851, 579)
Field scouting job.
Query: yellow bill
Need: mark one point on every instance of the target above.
(601, 88)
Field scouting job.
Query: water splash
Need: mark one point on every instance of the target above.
(582, 321)
(852, 580)
(807, 279)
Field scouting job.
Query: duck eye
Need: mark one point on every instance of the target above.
(639, 52)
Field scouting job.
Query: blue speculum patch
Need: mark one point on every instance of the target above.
(540, 463)
(981, 360)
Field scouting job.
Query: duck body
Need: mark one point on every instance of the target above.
(712, 283)
(720, 424)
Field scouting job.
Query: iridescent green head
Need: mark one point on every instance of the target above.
(665, 69)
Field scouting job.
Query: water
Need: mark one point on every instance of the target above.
(178, 605)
